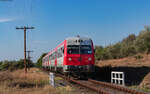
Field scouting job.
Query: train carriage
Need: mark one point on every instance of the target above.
(73, 55)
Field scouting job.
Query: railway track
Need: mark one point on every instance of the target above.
(104, 88)
(115, 89)
(101, 87)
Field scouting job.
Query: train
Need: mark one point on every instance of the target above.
(75, 55)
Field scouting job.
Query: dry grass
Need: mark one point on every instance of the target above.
(35, 82)
(126, 62)
(146, 82)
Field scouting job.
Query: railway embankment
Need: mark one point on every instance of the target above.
(137, 71)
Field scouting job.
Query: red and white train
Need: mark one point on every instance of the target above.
(73, 55)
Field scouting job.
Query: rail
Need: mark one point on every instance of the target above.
(101, 87)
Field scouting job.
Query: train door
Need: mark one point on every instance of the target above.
(60, 57)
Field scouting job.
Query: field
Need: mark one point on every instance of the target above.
(35, 82)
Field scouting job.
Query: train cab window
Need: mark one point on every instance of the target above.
(85, 49)
(79, 49)
(73, 49)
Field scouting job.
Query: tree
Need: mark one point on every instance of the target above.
(13, 65)
(143, 41)
(98, 52)
(130, 39)
(39, 61)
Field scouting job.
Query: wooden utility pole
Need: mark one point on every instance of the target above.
(29, 58)
(25, 28)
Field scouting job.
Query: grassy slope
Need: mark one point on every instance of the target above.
(126, 62)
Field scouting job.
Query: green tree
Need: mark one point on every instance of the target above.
(13, 65)
(39, 61)
(98, 52)
(143, 41)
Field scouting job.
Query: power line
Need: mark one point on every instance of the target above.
(25, 28)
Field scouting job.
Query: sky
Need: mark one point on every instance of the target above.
(104, 21)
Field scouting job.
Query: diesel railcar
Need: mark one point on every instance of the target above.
(73, 55)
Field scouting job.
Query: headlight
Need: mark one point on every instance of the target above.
(90, 59)
(69, 59)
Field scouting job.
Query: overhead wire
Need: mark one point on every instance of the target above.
(30, 11)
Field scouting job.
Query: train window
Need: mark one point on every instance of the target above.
(79, 49)
(59, 53)
(73, 49)
(49, 57)
(85, 49)
(62, 49)
(55, 55)
(52, 56)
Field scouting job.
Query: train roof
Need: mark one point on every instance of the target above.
(77, 38)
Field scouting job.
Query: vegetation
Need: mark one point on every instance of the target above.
(39, 61)
(13, 65)
(34, 82)
(129, 46)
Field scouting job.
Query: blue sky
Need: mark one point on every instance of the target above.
(105, 21)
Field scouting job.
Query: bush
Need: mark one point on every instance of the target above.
(138, 56)
(39, 61)
(129, 46)
(13, 65)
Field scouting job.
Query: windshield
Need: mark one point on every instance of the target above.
(79, 49)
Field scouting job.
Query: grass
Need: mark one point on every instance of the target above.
(35, 82)
(66, 89)
(139, 88)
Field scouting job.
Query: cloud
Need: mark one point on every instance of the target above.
(3, 20)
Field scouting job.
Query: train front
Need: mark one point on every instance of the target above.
(79, 55)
